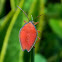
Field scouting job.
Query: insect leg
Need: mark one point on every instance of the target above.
(38, 38)
(36, 23)
(38, 31)
(34, 46)
(25, 21)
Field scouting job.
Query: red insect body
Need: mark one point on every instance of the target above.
(28, 35)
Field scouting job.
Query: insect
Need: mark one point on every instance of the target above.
(28, 34)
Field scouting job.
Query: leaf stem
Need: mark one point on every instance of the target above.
(32, 55)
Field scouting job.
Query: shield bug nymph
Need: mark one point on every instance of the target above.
(28, 34)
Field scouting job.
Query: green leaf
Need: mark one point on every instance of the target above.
(11, 50)
(56, 26)
(32, 8)
(54, 11)
(4, 23)
(2, 3)
(41, 22)
(39, 58)
(14, 4)
(30, 12)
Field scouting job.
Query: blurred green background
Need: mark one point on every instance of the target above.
(49, 48)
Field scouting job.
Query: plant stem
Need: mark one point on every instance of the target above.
(32, 55)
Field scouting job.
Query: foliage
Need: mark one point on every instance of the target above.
(49, 48)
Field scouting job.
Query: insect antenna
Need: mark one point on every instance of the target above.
(38, 16)
(23, 12)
